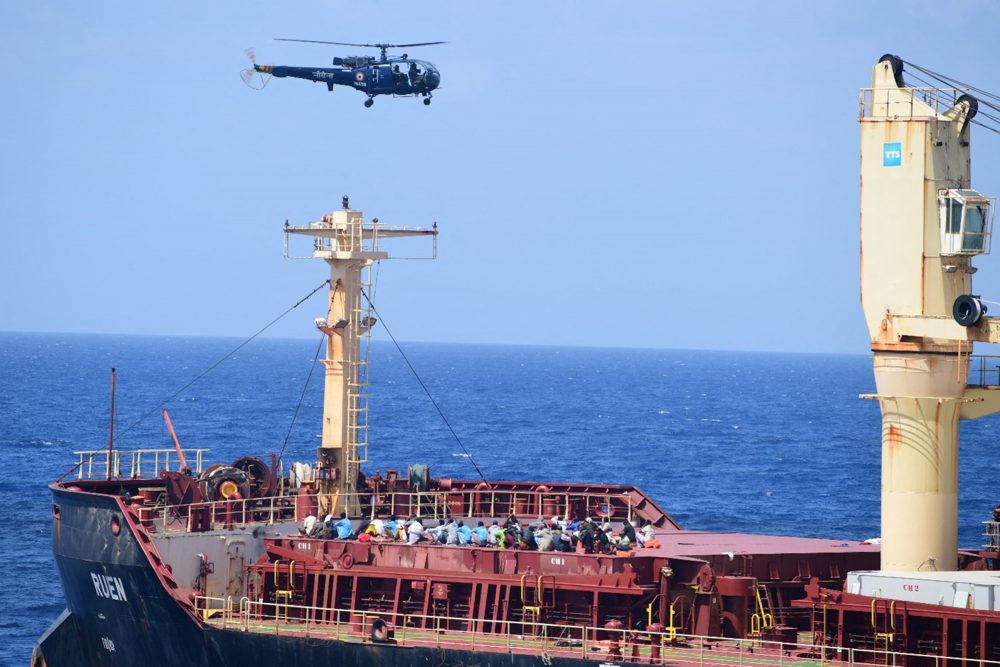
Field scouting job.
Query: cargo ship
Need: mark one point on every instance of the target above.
(165, 559)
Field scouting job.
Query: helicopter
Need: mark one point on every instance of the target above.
(397, 76)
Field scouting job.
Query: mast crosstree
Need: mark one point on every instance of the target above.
(349, 246)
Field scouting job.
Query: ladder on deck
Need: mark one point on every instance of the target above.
(763, 617)
(817, 622)
(358, 380)
(884, 625)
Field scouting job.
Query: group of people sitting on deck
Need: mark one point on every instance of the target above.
(556, 534)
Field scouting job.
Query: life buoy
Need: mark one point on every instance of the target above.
(602, 510)
(380, 631)
(346, 561)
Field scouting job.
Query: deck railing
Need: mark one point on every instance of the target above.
(895, 102)
(548, 640)
(133, 464)
(221, 513)
(984, 370)
(991, 531)
(429, 505)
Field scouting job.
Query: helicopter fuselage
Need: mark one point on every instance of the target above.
(388, 77)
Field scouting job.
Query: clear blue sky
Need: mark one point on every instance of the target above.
(658, 174)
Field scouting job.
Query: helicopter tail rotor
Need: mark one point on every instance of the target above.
(256, 76)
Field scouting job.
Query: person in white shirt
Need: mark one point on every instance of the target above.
(415, 531)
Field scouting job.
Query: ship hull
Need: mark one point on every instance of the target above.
(118, 610)
(68, 642)
(120, 613)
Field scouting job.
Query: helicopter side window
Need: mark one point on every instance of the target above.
(416, 76)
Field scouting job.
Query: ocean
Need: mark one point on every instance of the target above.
(724, 441)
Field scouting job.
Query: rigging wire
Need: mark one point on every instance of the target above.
(953, 82)
(219, 362)
(426, 390)
(984, 97)
(988, 127)
(302, 398)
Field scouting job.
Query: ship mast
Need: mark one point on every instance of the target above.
(349, 246)
(921, 226)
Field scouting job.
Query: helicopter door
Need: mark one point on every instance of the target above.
(383, 76)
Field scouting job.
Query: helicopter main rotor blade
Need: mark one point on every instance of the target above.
(316, 41)
(401, 46)
(372, 46)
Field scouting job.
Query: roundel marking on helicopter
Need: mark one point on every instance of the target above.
(360, 76)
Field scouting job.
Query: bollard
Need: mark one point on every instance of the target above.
(614, 639)
(655, 638)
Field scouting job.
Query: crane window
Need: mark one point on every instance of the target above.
(965, 222)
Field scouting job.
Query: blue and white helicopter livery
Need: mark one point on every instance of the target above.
(397, 76)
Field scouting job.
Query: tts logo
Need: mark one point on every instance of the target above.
(892, 155)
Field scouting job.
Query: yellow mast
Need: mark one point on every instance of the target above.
(349, 246)
(921, 225)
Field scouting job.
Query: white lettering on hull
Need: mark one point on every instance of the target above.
(109, 587)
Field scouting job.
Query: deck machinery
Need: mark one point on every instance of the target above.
(208, 566)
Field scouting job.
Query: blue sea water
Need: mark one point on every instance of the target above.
(755, 442)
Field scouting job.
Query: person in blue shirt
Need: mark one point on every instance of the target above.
(479, 535)
(464, 533)
(344, 527)
(392, 527)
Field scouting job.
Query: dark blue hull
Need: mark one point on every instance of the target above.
(120, 612)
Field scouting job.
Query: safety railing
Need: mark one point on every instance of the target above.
(984, 370)
(134, 464)
(219, 514)
(906, 102)
(440, 504)
(549, 640)
(428, 505)
(991, 531)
